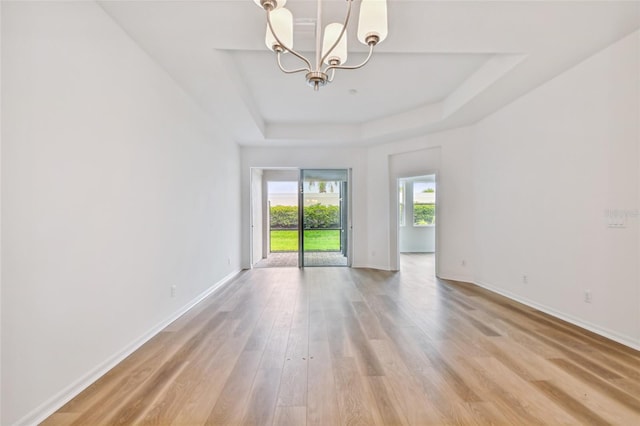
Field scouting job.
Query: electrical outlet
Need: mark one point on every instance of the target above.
(587, 296)
(173, 291)
(525, 279)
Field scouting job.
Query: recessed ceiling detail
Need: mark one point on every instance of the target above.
(443, 65)
(281, 100)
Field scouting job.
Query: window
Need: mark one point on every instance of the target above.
(424, 203)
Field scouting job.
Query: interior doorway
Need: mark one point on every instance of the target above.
(300, 217)
(274, 205)
(417, 217)
(282, 219)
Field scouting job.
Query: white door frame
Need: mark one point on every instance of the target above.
(395, 220)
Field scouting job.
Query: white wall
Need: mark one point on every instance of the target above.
(417, 239)
(547, 168)
(114, 187)
(311, 158)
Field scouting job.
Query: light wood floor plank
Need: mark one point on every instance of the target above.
(405, 388)
(356, 408)
(322, 404)
(290, 416)
(341, 346)
(230, 406)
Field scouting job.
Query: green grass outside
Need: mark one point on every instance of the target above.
(328, 240)
(316, 240)
(284, 240)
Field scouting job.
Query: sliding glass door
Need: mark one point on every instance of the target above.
(324, 217)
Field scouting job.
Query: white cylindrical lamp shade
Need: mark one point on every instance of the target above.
(282, 23)
(280, 3)
(372, 20)
(331, 34)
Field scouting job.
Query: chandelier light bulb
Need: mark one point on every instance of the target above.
(282, 23)
(339, 53)
(372, 25)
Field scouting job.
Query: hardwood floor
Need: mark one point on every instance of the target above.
(331, 346)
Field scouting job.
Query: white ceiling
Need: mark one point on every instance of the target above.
(285, 98)
(444, 64)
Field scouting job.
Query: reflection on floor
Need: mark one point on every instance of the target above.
(322, 258)
(290, 259)
(279, 260)
(410, 261)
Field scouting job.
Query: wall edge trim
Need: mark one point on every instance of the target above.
(601, 331)
(54, 403)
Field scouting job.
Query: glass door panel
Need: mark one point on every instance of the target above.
(324, 217)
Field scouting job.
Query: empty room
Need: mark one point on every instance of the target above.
(319, 212)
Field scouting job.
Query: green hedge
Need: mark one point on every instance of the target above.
(284, 217)
(320, 216)
(317, 216)
(424, 214)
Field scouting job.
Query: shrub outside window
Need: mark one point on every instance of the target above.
(424, 203)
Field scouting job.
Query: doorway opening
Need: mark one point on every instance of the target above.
(300, 217)
(417, 219)
(282, 220)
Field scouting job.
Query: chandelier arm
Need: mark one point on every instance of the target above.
(333, 73)
(293, 52)
(286, 71)
(344, 29)
(353, 67)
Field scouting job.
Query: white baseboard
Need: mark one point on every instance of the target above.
(604, 332)
(454, 277)
(371, 266)
(54, 403)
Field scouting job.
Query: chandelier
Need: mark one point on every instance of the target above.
(330, 50)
